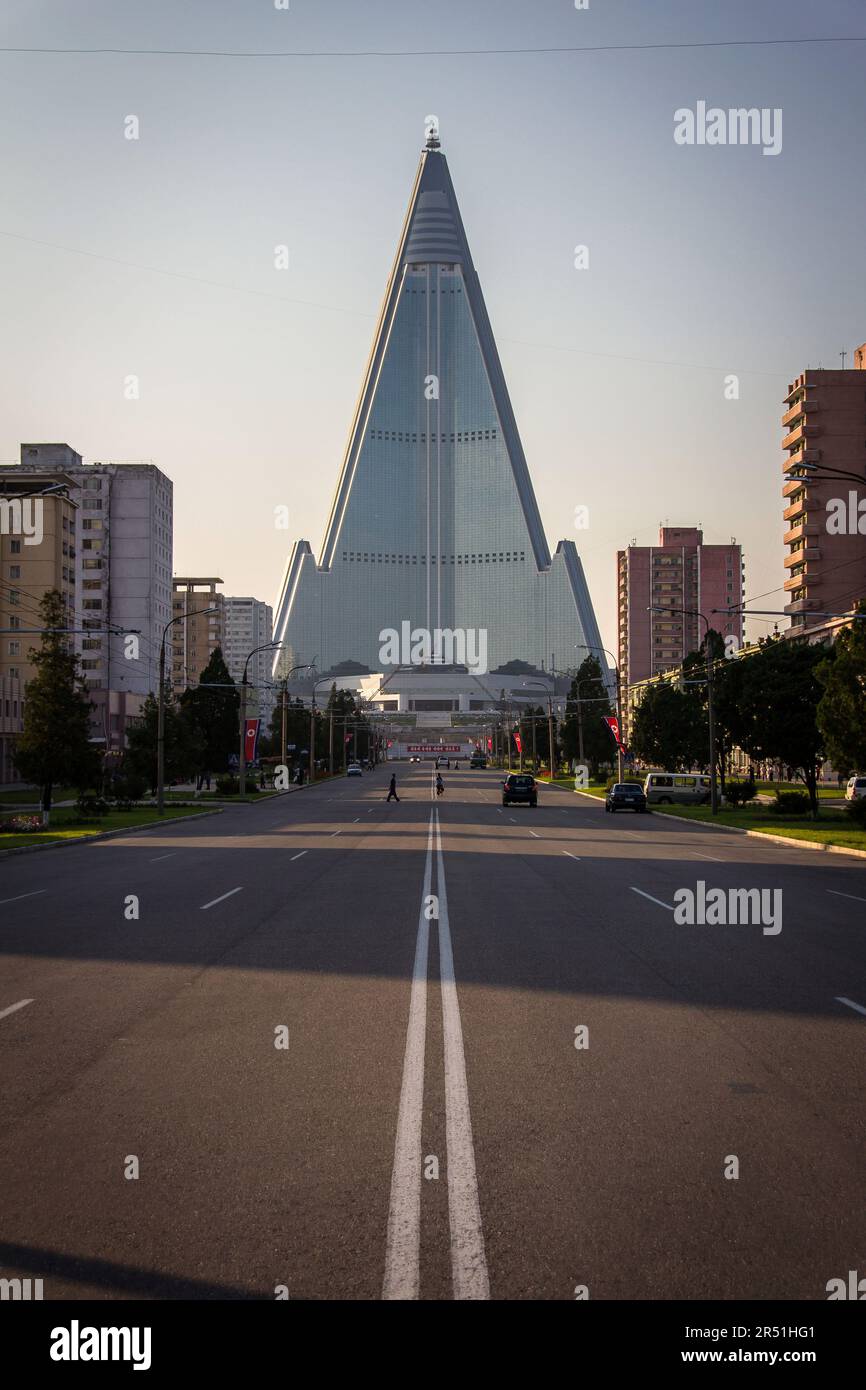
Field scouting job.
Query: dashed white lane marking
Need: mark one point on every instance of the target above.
(840, 999)
(667, 906)
(19, 896)
(853, 896)
(705, 856)
(403, 1249)
(570, 855)
(164, 856)
(513, 821)
(468, 1259)
(355, 821)
(296, 856)
(13, 1008)
(534, 836)
(229, 894)
(336, 832)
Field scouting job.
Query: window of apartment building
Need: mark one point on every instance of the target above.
(14, 596)
(14, 649)
(92, 584)
(14, 673)
(15, 623)
(91, 524)
(91, 603)
(91, 644)
(15, 547)
(92, 504)
(14, 571)
(91, 663)
(92, 564)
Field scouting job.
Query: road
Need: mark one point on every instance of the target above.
(430, 1129)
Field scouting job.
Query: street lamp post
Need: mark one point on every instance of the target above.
(583, 646)
(550, 739)
(303, 666)
(160, 718)
(694, 613)
(242, 757)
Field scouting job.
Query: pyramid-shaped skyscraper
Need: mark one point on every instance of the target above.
(434, 521)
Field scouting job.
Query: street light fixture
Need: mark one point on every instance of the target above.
(585, 647)
(242, 755)
(694, 613)
(160, 720)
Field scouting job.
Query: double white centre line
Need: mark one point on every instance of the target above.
(403, 1253)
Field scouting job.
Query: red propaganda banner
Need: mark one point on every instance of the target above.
(490, 745)
(518, 742)
(613, 724)
(433, 747)
(251, 739)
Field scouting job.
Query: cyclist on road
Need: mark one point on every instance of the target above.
(440, 785)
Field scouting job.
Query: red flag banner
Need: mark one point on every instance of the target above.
(251, 739)
(613, 724)
(518, 743)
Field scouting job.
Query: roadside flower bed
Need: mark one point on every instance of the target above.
(20, 825)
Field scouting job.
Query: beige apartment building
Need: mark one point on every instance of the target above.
(824, 514)
(199, 634)
(37, 554)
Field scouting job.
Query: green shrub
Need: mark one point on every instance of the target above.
(230, 786)
(91, 807)
(791, 804)
(856, 810)
(739, 793)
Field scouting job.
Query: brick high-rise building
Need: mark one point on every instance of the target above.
(194, 640)
(37, 554)
(825, 516)
(122, 562)
(686, 574)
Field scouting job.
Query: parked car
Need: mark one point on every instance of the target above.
(477, 760)
(625, 796)
(354, 770)
(677, 789)
(519, 787)
(855, 789)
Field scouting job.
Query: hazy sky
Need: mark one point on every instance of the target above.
(704, 261)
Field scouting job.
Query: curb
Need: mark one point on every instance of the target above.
(108, 834)
(788, 840)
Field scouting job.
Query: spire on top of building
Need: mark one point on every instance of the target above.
(431, 130)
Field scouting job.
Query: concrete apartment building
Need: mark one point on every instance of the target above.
(249, 623)
(824, 516)
(123, 562)
(37, 554)
(194, 640)
(687, 574)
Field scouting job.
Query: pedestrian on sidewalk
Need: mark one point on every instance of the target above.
(392, 789)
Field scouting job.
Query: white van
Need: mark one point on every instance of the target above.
(677, 789)
(855, 789)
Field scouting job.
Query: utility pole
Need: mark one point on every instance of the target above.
(160, 718)
(284, 713)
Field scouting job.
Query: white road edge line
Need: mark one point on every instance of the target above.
(403, 1250)
(652, 899)
(840, 999)
(468, 1260)
(571, 856)
(163, 856)
(829, 890)
(296, 856)
(19, 896)
(22, 1003)
(204, 907)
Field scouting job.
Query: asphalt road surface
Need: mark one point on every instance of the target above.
(338, 1046)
